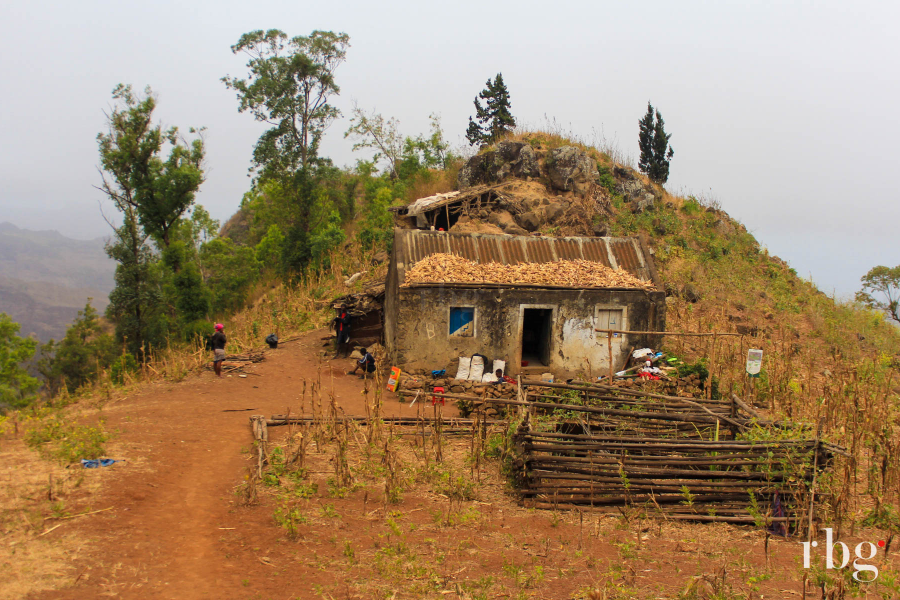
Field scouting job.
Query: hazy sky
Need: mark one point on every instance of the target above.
(785, 112)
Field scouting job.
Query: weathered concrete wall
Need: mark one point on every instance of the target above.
(418, 336)
(391, 306)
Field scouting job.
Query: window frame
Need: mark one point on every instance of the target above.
(622, 326)
(474, 310)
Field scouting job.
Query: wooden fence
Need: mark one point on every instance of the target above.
(611, 448)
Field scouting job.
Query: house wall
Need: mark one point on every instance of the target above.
(391, 306)
(418, 336)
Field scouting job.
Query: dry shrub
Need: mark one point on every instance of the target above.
(433, 182)
(551, 135)
(585, 210)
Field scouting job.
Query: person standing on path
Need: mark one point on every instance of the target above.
(341, 324)
(218, 347)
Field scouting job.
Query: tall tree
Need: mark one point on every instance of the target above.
(80, 356)
(376, 133)
(653, 141)
(135, 301)
(289, 86)
(135, 174)
(17, 387)
(152, 193)
(494, 119)
(645, 140)
(884, 283)
(290, 83)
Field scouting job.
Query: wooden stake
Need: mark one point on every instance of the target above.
(609, 350)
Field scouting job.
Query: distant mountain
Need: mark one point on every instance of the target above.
(45, 278)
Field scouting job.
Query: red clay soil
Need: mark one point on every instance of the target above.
(177, 530)
(167, 535)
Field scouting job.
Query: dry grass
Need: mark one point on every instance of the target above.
(29, 565)
(551, 134)
(825, 363)
(33, 494)
(433, 182)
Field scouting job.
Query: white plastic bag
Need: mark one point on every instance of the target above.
(476, 370)
(489, 378)
(465, 364)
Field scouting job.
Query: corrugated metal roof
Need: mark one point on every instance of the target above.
(412, 245)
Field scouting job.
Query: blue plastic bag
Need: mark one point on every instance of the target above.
(94, 463)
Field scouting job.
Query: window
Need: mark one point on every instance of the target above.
(610, 318)
(462, 321)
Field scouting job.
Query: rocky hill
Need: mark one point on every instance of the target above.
(718, 277)
(45, 278)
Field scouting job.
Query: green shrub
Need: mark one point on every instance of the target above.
(700, 369)
(124, 364)
(197, 331)
(66, 441)
(691, 206)
(606, 179)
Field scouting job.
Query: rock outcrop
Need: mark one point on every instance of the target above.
(508, 159)
(570, 169)
(560, 173)
(505, 221)
(644, 203)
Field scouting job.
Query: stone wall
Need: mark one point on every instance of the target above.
(418, 335)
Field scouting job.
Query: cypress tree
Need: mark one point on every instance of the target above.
(645, 140)
(662, 151)
(493, 120)
(653, 141)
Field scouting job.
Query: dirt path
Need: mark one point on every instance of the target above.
(170, 531)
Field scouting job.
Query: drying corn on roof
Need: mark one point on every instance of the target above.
(449, 268)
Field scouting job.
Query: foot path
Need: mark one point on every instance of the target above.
(176, 529)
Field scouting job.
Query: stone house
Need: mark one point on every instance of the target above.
(548, 327)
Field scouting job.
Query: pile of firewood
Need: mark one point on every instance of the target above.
(238, 362)
(449, 268)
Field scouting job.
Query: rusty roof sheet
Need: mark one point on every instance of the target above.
(412, 245)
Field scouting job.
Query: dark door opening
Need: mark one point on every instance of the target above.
(537, 324)
(444, 219)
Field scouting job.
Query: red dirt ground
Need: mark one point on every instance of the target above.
(176, 528)
(164, 538)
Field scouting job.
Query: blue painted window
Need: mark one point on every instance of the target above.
(462, 321)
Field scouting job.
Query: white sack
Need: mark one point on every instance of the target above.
(464, 366)
(477, 368)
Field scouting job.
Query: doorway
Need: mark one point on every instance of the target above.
(537, 325)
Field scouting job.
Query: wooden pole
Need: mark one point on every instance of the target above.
(609, 350)
(712, 367)
(675, 333)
